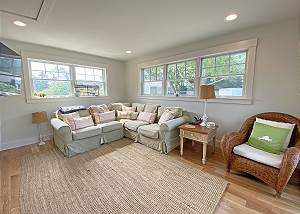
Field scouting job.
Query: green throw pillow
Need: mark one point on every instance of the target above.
(267, 138)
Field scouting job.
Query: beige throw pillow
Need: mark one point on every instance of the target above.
(127, 115)
(147, 117)
(166, 116)
(69, 119)
(125, 108)
(104, 117)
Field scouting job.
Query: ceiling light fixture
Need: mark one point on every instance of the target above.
(19, 23)
(231, 17)
(128, 52)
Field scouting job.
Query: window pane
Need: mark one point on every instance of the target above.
(51, 67)
(222, 60)
(237, 69)
(222, 70)
(190, 69)
(147, 74)
(79, 70)
(171, 71)
(208, 62)
(17, 67)
(181, 87)
(37, 66)
(51, 75)
(64, 76)
(208, 72)
(80, 77)
(238, 58)
(226, 86)
(152, 88)
(181, 70)
(160, 73)
(10, 85)
(89, 71)
(89, 78)
(153, 74)
(52, 88)
(89, 88)
(38, 74)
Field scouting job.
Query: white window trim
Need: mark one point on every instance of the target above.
(27, 55)
(249, 45)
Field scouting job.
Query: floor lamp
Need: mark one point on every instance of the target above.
(39, 118)
(206, 92)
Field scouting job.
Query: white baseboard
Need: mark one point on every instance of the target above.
(23, 142)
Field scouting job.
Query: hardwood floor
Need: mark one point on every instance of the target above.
(244, 194)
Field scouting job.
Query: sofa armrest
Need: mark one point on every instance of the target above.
(172, 124)
(62, 129)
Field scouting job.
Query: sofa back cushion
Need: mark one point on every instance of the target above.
(151, 108)
(177, 111)
(126, 108)
(116, 106)
(83, 122)
(147, 117)
(104, 117)
(69, 119)
(127, 115)
(139, 106)
(98, 108)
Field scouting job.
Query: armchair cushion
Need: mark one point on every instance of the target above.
(133, 125)
(258, 155)
(86, 132)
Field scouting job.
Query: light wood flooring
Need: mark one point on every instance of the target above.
(244, 194)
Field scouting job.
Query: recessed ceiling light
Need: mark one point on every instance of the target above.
(19, 23)
(231, 17)
(128, 52)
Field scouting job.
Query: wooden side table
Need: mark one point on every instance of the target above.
(199, 134)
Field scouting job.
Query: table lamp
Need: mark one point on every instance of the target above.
(206, 92)
(39, 118)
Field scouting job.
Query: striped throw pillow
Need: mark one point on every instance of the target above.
(69, 119)
(166, 116)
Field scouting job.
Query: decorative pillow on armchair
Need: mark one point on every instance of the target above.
(267, 138)
(147, 117)
(104, 117)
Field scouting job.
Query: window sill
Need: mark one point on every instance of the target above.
(241, 101)
(63, 99)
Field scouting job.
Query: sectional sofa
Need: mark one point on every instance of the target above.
(162, 137)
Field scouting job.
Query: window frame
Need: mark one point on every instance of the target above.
(142, 80)
(247, 45)
(72, 62)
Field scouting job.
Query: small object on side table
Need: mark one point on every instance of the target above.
(199, 134)
(206, 92)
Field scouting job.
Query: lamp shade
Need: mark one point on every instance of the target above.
(207, 92)
(39, 117)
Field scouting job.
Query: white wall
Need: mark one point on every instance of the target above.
(15, 114)
(276, 81)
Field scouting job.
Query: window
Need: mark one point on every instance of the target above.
(89, 81)
(50, 79)
(226, 72)
(55, 80)
(181, 78)
(153, 81)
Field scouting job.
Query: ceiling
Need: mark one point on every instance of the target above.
(109, 27)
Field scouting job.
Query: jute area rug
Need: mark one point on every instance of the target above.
(121, 177)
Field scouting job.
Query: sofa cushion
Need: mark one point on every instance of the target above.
(104, 117)
(98, 108)
(86, 132)
(69, 119)
(110, 126)
(151, 130)
(151, 108)
(147, 117)
(115, 106)
(127, 115)
(83, 122)
(176, 110)
(166, 116)
(70, 109)
(134, 124)
(139, 106)
(126, 108)
(257, 155)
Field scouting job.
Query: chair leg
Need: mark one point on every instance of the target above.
(228, 167)
(278, 194)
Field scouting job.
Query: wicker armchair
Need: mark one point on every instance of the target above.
(276, 178)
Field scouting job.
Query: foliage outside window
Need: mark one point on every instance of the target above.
(89, 81)
(181, 78)
(226, 72)
(54, 80)
(153, 80)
